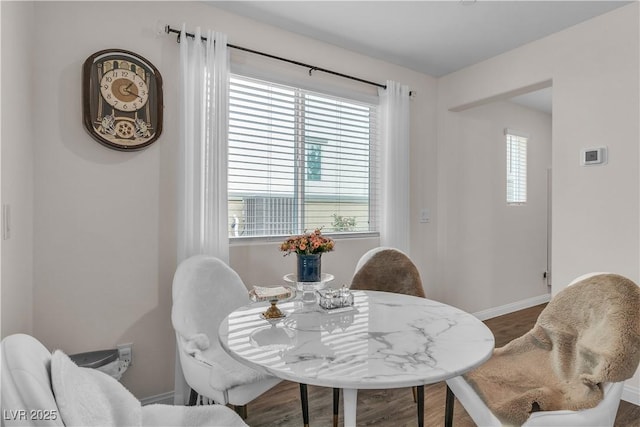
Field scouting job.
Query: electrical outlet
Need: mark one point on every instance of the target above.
(125, 352)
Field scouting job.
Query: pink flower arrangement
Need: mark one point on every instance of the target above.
(308, 244)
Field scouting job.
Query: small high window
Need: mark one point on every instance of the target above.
(516, 167)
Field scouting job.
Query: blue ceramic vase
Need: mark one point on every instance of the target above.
(309, 268)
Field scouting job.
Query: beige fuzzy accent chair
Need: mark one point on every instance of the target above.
(569, 370)
(388, 270)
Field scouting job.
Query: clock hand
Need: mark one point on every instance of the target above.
(126, 89)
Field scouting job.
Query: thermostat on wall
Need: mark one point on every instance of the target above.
(593, 156)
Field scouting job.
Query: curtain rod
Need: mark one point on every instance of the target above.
(311, 68)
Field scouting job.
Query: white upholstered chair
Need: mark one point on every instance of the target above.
(602, 415)
(205, 291)
(41, 389)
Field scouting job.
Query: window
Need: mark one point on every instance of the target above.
(516, 167)
(299, 160)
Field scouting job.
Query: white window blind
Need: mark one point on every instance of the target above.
(299, 160)
(516, 167)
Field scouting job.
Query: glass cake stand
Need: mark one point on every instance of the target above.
(309, 289)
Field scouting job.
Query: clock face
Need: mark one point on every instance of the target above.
(122, 99)
(124, 90)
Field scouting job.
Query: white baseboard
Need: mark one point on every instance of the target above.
(511, 307)
(631, 394)
(164, 398)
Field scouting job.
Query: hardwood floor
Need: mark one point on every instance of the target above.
(280, 407)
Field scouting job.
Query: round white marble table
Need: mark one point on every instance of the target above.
(387, 341)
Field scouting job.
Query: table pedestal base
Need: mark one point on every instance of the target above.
(350, 399)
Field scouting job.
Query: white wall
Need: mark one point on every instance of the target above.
(594, 67)
(17, 166)
(105, 232)
(492, 254)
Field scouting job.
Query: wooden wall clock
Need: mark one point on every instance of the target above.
(121, 99)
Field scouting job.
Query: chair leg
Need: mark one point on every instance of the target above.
(448, 409)
(241, 410)
(305, 404)
(336, 406)
(193, 398)
(420, 393)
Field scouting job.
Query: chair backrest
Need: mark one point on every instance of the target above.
(389, 270)
(27, 396)
(603, 307)
(205, 291)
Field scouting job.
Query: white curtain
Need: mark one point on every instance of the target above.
(202, 173)
(394, 140)
(202, 162)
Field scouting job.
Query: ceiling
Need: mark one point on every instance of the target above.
(432, 37)
(539, 100)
